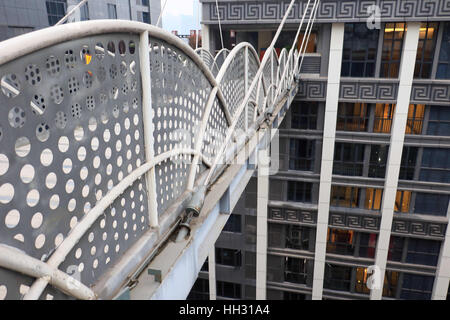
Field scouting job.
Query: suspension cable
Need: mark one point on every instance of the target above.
(71, 12)
(313, 14)
(220, 25)
(160, 14)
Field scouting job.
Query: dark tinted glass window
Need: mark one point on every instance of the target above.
(233, 223)
(337, 277)
(228, 257)
(360, 50)
(298, 237)
(348, 159)
(408, 164)
(439, 121)
(228, 289)
(200, 290)
(304, 115)
(367, 245)
(421, 251)
(56, 10)
(395, 248)
(416, 287)
(429, 203)
(301, 155)
(295, 270)
(299, 191)
(443, 71)
(425, 50)
(435, 165)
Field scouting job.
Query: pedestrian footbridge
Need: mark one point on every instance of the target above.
(123, 152)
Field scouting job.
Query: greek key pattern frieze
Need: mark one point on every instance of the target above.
(329, 10)
(420, 228)
(293, 215)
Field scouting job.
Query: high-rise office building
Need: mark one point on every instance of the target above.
(364, 157)
(18, 17)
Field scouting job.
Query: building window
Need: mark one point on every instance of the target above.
(439, 121)
(228, 289)
(84, 12)
(392, 50)
(360, 50)
(402, 201)
(299, 191)
(304, 115)
(435, 165)
(112, 11)
(384, 113)
(250, 265)
(200, 290)
(276, 237)
(408, 164)
(301, 155)
(373, 199)
(56, 10)
(361, 280)
(425, 50)
(424, 252)
(415, 119)
(233, 223)
(348, 159)
(293, 296)
(295, 270)
(345, 196)
(416, 287)
(205, 266)
(395, 252)
(250, 229)
(378, 160)
(390, 283)
(228, 257)
(340, 241)
(443, 70)
(367, 245)
(146, 17)
(297, 237)
(352, 117)
(337, 277)
(430, 203)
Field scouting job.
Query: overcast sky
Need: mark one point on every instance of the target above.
(180, 15)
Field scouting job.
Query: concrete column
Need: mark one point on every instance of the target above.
(261, 222)
(212, 273)
(441, 281)
(329, 134)
(395, 152)
(206, 38)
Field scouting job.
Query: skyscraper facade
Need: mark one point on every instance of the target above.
(22, 16)
(364, 157)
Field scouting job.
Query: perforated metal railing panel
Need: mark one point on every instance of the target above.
(73, 130)
(178, 110)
